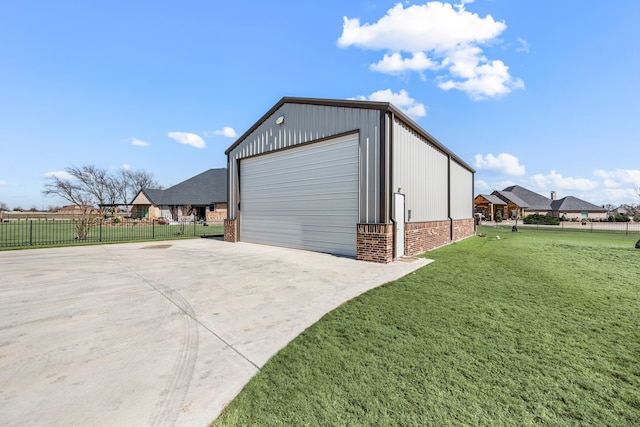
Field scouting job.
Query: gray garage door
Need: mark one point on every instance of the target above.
(303, 198)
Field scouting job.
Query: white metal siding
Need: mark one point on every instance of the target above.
(461, 192)
(420, 171)
(303, 198)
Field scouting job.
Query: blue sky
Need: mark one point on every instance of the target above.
(542, 94)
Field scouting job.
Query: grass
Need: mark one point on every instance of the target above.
(532, 329)
(20, 234)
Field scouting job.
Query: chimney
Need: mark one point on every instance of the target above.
(553, 195)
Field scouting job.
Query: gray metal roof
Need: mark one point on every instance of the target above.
(573, 204)
(201, 190)
(369, 105)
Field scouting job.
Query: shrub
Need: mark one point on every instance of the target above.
(618, 218)
(540, 219)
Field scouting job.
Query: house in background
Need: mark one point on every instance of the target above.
(517, 202)
(573, 208)
(202, 197)
(488, 205)
(626, 210)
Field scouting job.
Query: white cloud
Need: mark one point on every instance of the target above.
(60, 175)
(227, 132)
(187, 138)
(436, 35)
(402, 100)
(138, 142)
(504, 163)
(125, 167)
(2, 182)
(396, 64)
(481, 81)
(619, 177)
(481, 185)
(524, 46)
(555, 181)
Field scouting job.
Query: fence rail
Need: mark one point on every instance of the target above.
(17, 233)
(628, 228)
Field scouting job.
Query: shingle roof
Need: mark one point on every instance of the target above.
(513, 198)
(495, 200)
(203, 189)
(532, 201)
(573, 204)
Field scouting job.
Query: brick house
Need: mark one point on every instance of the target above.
(202, 197)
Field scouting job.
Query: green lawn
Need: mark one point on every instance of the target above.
(534, 328)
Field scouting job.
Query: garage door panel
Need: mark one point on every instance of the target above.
(305, 198)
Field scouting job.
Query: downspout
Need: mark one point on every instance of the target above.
(449, 198)
(473, 191)
(391, 183)
(384, 214)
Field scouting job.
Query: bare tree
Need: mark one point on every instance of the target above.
(140, 179)
(68, 188)
(610, 208)
(87, 186)
(90, 185)
(127, 183)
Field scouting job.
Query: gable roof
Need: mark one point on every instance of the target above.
(511, 197)
(356, 104)
(531, 200)
(493, 199)
(573, 204)
(203, 189)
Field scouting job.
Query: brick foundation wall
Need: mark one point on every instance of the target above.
(463, 228)
(375, 243)
(421, 237)
(231, 230)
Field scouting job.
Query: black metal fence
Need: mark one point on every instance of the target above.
(627, 228)
(16, 233)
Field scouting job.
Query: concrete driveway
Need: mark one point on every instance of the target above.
(156, 333)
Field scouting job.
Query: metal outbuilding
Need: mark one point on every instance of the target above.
(354, 178)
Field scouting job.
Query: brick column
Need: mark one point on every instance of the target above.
(375, 243)
(231, 230)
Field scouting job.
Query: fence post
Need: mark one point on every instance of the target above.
(194, 227)
(30, 232)
(101, 230)
(153, 229)
(627, 229)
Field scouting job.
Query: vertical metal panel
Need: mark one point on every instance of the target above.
(461, 191)
(420, 172)
(305, 198)
(306, 123)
